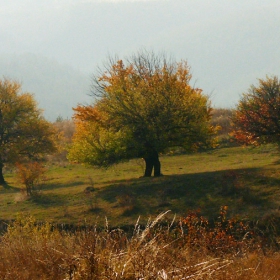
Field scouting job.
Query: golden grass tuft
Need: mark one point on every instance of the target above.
(32, 251)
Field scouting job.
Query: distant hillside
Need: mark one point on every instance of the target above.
(56, 87)
(228, 44)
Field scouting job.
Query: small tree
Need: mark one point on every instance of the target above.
(30, 174)
(257, 117)
(143, 106)
(24, 133)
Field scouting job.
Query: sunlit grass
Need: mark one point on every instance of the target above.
(245, 179)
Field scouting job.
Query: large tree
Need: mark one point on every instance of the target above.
(24, 133)
(142, 106)
(256, 119)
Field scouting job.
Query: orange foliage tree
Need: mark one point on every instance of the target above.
(257, 117)
(142, 106)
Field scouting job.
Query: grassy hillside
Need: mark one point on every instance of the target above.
(247, 180)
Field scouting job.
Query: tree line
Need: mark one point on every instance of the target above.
(142, 105)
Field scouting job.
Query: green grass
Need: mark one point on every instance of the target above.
(247, 180)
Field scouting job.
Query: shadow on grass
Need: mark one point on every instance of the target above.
(95, 210)
(8, 188)
(277, 162)
(131, 211)
(53, 186)
(48, 200)
(238, 188)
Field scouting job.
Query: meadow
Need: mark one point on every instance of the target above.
(213, 215)
(244, 179)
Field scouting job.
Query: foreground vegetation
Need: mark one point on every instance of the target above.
(223, 221)
(190, 249)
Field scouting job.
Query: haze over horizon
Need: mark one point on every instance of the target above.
(53, 47)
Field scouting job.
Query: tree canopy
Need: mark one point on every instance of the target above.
(24, 133)
(143, 105)
(257, 117)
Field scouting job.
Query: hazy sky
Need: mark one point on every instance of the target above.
(228, 43)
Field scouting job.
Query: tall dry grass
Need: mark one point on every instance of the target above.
(190, 249)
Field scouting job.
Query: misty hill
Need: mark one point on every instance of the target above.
(56, 87)
(228, 44)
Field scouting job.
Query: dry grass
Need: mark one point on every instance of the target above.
(173, 251)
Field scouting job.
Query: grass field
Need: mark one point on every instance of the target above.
(247, 180)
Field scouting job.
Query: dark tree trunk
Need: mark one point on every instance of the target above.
(149, 167)
(2, 180)
(157, 170)
(152, 162)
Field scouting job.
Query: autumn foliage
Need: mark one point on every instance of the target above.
(24, 133)
(191, 250)
(29, 175)
(143, 106)
(256, 119)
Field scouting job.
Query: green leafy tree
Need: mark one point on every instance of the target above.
(256, 119)
(24, 133)
(143, 106)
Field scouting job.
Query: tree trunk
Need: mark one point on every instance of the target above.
(149, 167)
(157, 166)
(152, 162)
(2, 180)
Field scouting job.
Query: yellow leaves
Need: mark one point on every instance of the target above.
(144, 100)
(29, 174)
(8, 90)
(118, 76)
(23, 131)
(86, 113)
(183, 72)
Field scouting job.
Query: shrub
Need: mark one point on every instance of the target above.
(224, 236)
(30, 174)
